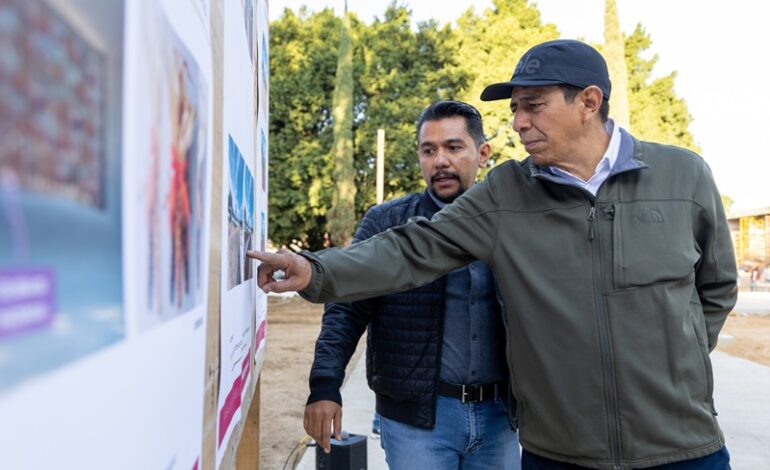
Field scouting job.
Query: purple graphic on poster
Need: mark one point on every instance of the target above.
(27, 300)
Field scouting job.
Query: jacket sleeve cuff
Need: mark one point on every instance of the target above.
(312, 292)
(325, 388)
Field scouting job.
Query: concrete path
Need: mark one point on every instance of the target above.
(357, 413)
(753, 302)
(741, 393)
(742, 398)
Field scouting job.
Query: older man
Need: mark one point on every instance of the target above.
(613, 257)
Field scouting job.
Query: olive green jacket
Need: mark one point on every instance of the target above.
(613, 302)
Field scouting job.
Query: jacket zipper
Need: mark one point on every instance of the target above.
(604, 340)
(439, 350)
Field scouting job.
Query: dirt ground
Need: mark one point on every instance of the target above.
(751, 335)
(293, 328)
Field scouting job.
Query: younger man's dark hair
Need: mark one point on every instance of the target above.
(448, 109)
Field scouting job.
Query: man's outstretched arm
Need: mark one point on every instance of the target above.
(399, 259)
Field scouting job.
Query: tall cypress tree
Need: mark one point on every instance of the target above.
(657, 113)
(614, 52)
(341, 219)
(490, 44)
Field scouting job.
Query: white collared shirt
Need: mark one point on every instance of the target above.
(604, 167)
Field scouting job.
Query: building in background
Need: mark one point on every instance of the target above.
(750, 230)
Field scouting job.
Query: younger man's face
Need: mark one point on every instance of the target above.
(449, 158)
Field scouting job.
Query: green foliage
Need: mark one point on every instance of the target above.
(490, 45)
(303, 62)
(657, 114)
(397, 70)
(614, 54)
(727, 202)
(341, 219)
(404, 71)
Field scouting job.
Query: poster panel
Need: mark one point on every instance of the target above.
(168, 145)
(260, 323)
(103, 232)
(60, 240)
(263, 74)
(241, 186)
(168, 175)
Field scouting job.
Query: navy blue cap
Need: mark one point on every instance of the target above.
(560, 62)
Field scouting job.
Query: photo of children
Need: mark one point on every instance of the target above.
(240, 217)
(176, 176)
(52, 105)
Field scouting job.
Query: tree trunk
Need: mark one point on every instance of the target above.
(614, 52)
(341, 217)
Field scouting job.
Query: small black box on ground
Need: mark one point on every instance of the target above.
(347, 454)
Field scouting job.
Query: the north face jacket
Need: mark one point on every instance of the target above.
(613, 301)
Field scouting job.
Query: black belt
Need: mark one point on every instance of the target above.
(471, 393)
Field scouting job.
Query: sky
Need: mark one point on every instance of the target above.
(713, 46)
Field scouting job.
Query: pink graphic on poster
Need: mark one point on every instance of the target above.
(233, 400)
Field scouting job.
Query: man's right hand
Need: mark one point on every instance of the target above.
(297, 270)
(319, 418)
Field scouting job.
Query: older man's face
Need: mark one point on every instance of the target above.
(548, 125)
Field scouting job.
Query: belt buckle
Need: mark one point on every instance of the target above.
(480, 394)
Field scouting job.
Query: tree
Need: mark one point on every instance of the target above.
(657, 113)
(614, 53)
(727, 202)
(397, 72)
(404, 71)
(303, 62)
(490, 45)
(341, 219)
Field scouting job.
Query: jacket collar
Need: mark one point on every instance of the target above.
(629, 155)
(427, 206)
(629, 159)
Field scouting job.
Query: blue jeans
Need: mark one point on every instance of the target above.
(466, 436)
